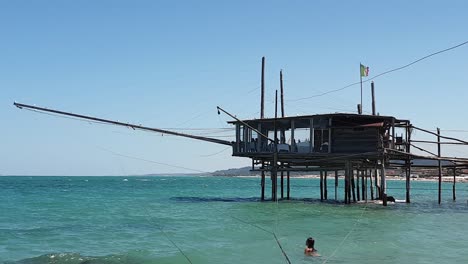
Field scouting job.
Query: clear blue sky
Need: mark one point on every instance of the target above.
(168, 64)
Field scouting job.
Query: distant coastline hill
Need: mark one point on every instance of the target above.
(244, 171)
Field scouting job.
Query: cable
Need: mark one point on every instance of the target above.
(282, 250)
(346, 237)
(151, 161)
(167, 237)
(263, 229)
(216, 153)
(381, 74)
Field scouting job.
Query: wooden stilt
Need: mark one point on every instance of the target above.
(282, 185)
(353, 185)
(408, 178)
(408, 164)
(346, 184)
(336, 185)
(262, 197)
(273, 185)
(275, 154)
(383, 193)
(350, 173)
(453, 187)
(364, 185)
(377, 186)
(321, 185)
(440, 167)
(288, 186)
(358, 190)
(325, 191)
(371, 186)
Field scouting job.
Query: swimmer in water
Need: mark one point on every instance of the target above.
(310, 249)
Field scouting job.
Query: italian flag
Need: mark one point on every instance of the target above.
(364, 71)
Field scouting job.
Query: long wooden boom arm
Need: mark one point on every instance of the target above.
(112, 122)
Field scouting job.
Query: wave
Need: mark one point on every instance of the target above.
(140, 257)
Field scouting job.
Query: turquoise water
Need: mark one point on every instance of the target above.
(221, 220)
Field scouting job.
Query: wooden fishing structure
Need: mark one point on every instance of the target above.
(359, 147)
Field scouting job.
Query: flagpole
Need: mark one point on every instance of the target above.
(360, 75)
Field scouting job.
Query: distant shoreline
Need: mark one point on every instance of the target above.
(462, 179)
(458, 179)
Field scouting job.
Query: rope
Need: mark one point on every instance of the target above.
(346, 237)
(167, 237)
(151, 221)
(378, 75)
(276, 228)
(151, 161)
(282, 250)
(263, 229)
(216, 153)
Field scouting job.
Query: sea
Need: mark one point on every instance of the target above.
(196, 219)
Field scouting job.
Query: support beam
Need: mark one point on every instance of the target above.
(321, 186)
(383, 193)
(293, 140)
(454, 178)
(408, 164)
(358, 172)
(262, 99)
(311, 137)
(346, 186)
(371, 185)
(353, 185)
(282, 182)
(363, 185)
(262, 197)
(288, 187)
(274, 189)
(336, 185)
(440, 166)
(325, 190)
(373, 98)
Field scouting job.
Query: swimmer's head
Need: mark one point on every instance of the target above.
(310, 242)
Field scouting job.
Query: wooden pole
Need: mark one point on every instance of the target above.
(275, 154)
(346, 179)
(363, 185)
(440, 166)
(282, 93)
(321, 186)
(288, 186)
(353, 185)
(393, 133)
(283, 133)
(382, 185)
(274, 181)
(350, 174)
(263, 182)
(377, 185)
(360, 75)
(325, 191)
(358, 172)
(282, 183)
(336, 185)
(408, 164)
(454, 177)
(262, 99)
(345, 186)
(373, 98)
(371, 185)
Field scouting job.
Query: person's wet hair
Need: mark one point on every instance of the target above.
(310, 242)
